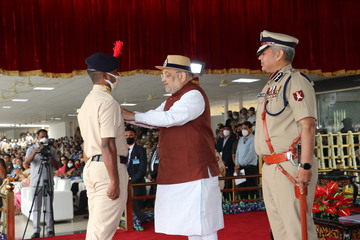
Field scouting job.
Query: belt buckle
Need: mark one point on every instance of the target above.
(290, 157)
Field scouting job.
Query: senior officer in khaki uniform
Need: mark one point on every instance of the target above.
(289, 114)
(102, 128)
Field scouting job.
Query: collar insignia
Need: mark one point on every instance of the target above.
(278, 76)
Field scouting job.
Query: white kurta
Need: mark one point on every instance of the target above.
(190, 208)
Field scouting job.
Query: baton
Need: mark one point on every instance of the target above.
(303, 211)
(303, 203)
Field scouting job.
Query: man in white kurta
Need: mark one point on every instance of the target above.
(188, 199)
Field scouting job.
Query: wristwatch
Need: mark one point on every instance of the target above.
(306, 166)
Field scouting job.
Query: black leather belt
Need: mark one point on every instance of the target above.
(99, 158)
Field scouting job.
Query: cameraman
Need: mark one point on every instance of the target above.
(35, 156)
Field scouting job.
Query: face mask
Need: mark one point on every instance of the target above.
(253, 128)
(235, 117)
(70, 165)
(114, 85)
(44, 140)
(78, 165)
(130, 141)
(16, 166)
(244, 132)
(226, 133)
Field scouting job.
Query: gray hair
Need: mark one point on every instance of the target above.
(188, 74)
(289, 53)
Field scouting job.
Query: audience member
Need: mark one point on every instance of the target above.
(38, 182)
(347, 122)
(152, 174)
(230, 118)
(243, 116)
(3, 172)
(224, 146)
(136, 167)
(63, 167)
(247, 159)
(8, 163)
(252, 116)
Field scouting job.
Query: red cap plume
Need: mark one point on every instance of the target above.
(118, 45)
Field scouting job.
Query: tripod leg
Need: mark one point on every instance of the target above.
(37, 210)
(48, 214)
(36, 197)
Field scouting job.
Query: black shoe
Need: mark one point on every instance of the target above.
(35, 235)
(51, 234)
(80, 212)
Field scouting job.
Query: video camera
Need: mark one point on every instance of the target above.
(45, 150)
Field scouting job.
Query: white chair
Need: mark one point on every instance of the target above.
(62, 204)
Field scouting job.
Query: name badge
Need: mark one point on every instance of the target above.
(261, 95)
(136, 161)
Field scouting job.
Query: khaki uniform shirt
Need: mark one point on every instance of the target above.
(100, 117)
(283, 128)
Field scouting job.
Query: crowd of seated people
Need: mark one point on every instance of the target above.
(69, 149)
(227, 140)
(12, 155)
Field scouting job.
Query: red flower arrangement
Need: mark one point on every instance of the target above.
(330, 201)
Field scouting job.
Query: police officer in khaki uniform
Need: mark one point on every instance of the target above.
(289, 114)
(102, 128)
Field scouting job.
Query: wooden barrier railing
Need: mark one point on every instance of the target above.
(7, 212)
(129, 204)
(338, 151)
(234, 190)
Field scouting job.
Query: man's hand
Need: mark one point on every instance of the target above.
(303, 178)
(85, 158)
(30, 158)
(128, 115)
(113, 191)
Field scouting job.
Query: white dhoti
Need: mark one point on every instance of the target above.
(191, 208)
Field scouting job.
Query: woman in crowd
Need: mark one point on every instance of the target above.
(63, 166)
(67, 169)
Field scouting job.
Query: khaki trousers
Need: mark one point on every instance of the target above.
(104, 213)
(282, 207)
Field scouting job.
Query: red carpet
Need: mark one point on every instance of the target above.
(244, 226)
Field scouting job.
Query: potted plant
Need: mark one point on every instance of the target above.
(330, 202)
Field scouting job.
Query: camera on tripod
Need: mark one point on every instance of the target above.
(45, 150)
